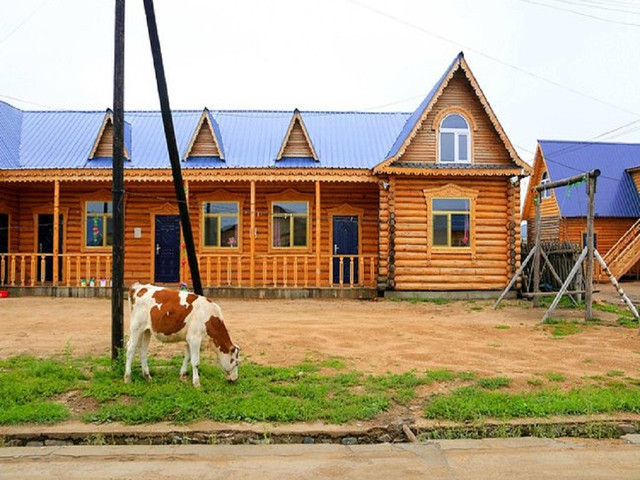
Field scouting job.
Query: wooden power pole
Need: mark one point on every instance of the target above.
(117, 276)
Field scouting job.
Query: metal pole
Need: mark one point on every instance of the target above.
(172, 146)
(588, 294)
(117, 290)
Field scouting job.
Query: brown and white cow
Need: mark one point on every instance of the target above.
(175, 316)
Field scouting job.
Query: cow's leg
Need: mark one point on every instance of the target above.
(185, 363)
(144, 350)
(134, 338)
(194, 347)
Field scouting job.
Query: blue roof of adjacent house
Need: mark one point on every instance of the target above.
(616, 194)
(249, 139)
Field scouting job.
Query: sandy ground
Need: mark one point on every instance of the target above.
(370, 336)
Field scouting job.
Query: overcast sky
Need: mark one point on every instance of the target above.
(554, 69)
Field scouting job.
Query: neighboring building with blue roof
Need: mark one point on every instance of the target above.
(279, 199)
(616, 203)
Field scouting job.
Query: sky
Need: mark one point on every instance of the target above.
(551, 69)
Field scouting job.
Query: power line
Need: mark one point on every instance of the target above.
(489, 57)
(599, 7)
(582, 14)
(21, 24)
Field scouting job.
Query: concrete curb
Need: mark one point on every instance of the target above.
(205, 432)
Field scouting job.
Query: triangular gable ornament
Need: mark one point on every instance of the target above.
(297, 142)
(103, 144)
(206, 140)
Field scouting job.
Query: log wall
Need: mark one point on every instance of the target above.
(487, 268)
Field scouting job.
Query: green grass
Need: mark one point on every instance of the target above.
(471, 403)
(27, 387)
(555, 377)
(627, 322)
(31, 391)
(502, 327)
(563, 328)
(494, 383)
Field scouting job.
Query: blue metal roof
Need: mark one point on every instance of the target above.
(417, 114)
(10, 128)
(616, 194)
(249, 139)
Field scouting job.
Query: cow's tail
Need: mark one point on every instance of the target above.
(132, 291)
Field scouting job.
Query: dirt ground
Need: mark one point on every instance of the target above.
(370, 336)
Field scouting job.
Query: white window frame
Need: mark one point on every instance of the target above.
(456, 134)
(545, 179)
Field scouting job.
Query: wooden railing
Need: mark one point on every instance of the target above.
(287, 271)
(624, 253)
(36, 269)
(270, 271)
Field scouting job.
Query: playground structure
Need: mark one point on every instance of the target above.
(589, 254)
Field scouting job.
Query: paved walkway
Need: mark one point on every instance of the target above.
(514, 459)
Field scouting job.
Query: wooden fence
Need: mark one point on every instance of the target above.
(563, 256)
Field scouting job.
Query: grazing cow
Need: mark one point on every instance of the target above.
(174, 316)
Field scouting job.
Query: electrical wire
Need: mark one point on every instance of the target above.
(582, 14)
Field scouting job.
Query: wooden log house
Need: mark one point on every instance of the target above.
(314, 201)
(617, 200)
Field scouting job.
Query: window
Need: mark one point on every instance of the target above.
(220, 228)
(455, 140)
(545, 179)
(99, 224)
(451, 219)
(289, 224)
(595, 239)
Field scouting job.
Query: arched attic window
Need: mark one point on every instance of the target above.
(545, 179)
(455, 139)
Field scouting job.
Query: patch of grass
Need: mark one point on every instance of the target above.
(535, 382)
(502, 327)
(563, 328)
(607, 307)
(335, 363)
(28, 385)
(440, 375)
(436, 301)
(494, 383)
(627, 322)
(615, 373)
(555, 377)
(565, 302)
(467, 376)
(471, 403)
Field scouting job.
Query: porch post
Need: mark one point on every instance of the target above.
(183, 273)
(56, 230)
(318, 233)
(252, 236)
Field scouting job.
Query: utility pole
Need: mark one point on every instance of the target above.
(172, 146)
(117, 277)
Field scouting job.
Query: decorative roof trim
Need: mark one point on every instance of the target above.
(539, 163)
(205, 117)
(450, 172)
(192, 175)
(108, 118)
(297, 117)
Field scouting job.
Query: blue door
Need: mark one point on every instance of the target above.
(345, 245)
(45, 245)
(167, 254)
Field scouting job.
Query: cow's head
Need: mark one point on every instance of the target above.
(229, 363)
